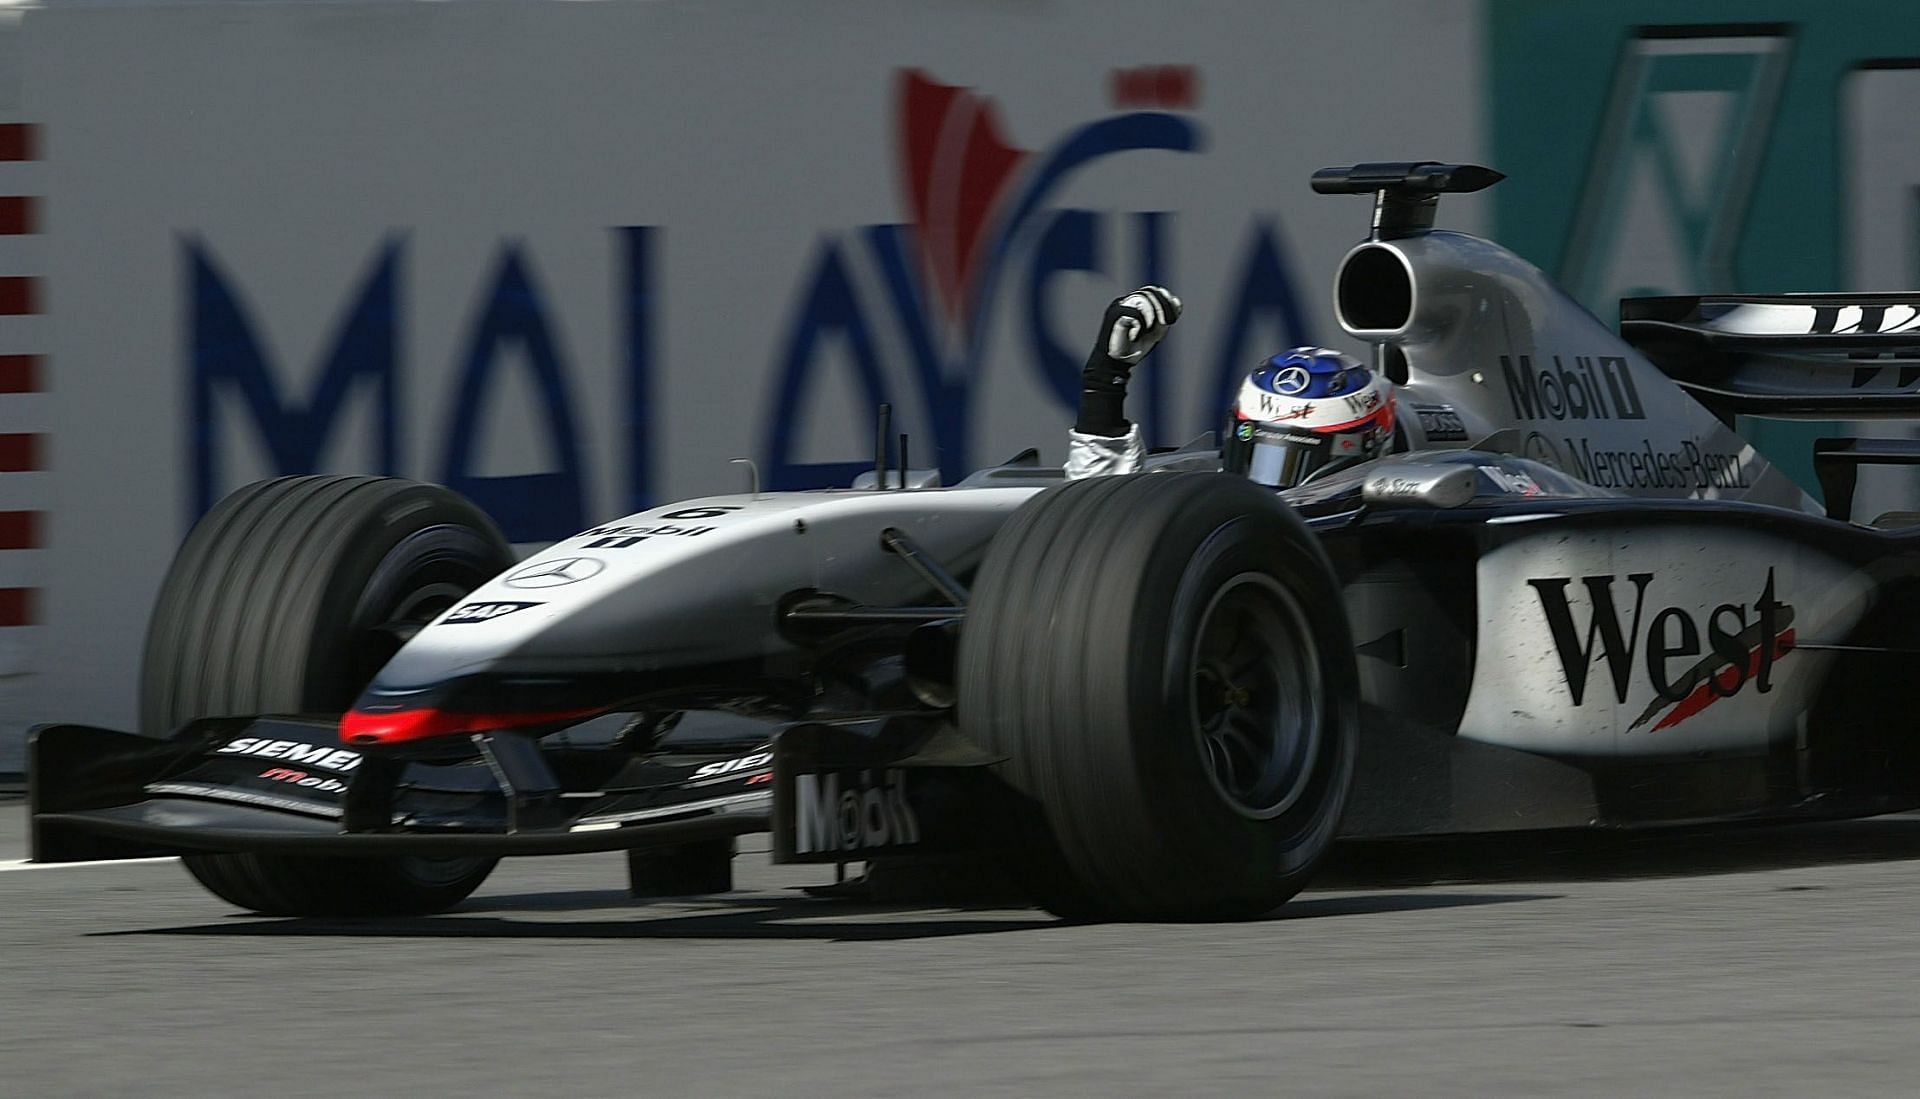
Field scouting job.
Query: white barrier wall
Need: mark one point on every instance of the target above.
(574, 257)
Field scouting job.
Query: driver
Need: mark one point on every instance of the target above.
(1306, 412)
(1302, 413)
(1103, 440)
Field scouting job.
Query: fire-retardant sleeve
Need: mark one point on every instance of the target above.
(1100, 455)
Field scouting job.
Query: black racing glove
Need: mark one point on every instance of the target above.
(1133, 323)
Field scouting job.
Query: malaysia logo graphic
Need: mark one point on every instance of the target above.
(969, 194)
(957, 168)
(908, 309)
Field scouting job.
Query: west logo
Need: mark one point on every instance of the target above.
(1725, 648)
(1595, 388)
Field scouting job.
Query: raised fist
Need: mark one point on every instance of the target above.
(1136, 321)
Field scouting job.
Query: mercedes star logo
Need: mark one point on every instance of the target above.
(552, 574)
(1540, 448)
(1292, 380)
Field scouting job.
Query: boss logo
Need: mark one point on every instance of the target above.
(1441, 423)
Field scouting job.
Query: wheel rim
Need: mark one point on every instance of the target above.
(1255, 692)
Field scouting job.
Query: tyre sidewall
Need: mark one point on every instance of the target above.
(442, 544)
(1076, 664)
(274, 606)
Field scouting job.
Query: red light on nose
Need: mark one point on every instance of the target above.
(401, 726)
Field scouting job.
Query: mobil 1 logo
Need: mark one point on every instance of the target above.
(623, 536)
(837, 816)
(1584, 387)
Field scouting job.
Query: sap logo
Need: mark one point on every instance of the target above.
(981, 220)
(293, 751)
(230, 367)
(1595, 389)
(868, 812)
(1727, 647)
(482, 612)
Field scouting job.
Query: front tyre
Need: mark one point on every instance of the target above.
(1164, 660)
(287, 597)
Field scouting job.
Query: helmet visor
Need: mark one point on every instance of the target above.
(1274, 457)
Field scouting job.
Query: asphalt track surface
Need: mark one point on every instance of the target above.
(1755, 962)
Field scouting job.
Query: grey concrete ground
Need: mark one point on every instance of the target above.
(1766, 962)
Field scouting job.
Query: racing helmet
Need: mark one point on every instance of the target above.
(1305, 412)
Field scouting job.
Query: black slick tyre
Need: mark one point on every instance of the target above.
(1164, 659)
(286, 598)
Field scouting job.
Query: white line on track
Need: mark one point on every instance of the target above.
(29, 864)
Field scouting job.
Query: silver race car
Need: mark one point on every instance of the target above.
(1568, 595)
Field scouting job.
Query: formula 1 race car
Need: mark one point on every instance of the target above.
(1572, 596)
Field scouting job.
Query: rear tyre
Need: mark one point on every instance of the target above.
(1165, 662)
(287, 598)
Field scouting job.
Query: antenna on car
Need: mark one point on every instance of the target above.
(881, 430)
(753, 475)
(904, 464)
(1406, 193)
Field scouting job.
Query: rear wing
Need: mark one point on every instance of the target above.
(1786, 356)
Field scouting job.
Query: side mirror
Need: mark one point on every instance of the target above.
(1420, 485)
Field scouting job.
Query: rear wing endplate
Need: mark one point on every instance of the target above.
(1786, 356)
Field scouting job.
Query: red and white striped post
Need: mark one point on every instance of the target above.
(23, 419)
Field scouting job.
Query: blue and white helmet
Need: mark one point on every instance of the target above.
(1305, 412)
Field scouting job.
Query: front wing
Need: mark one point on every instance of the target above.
(288, 785)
